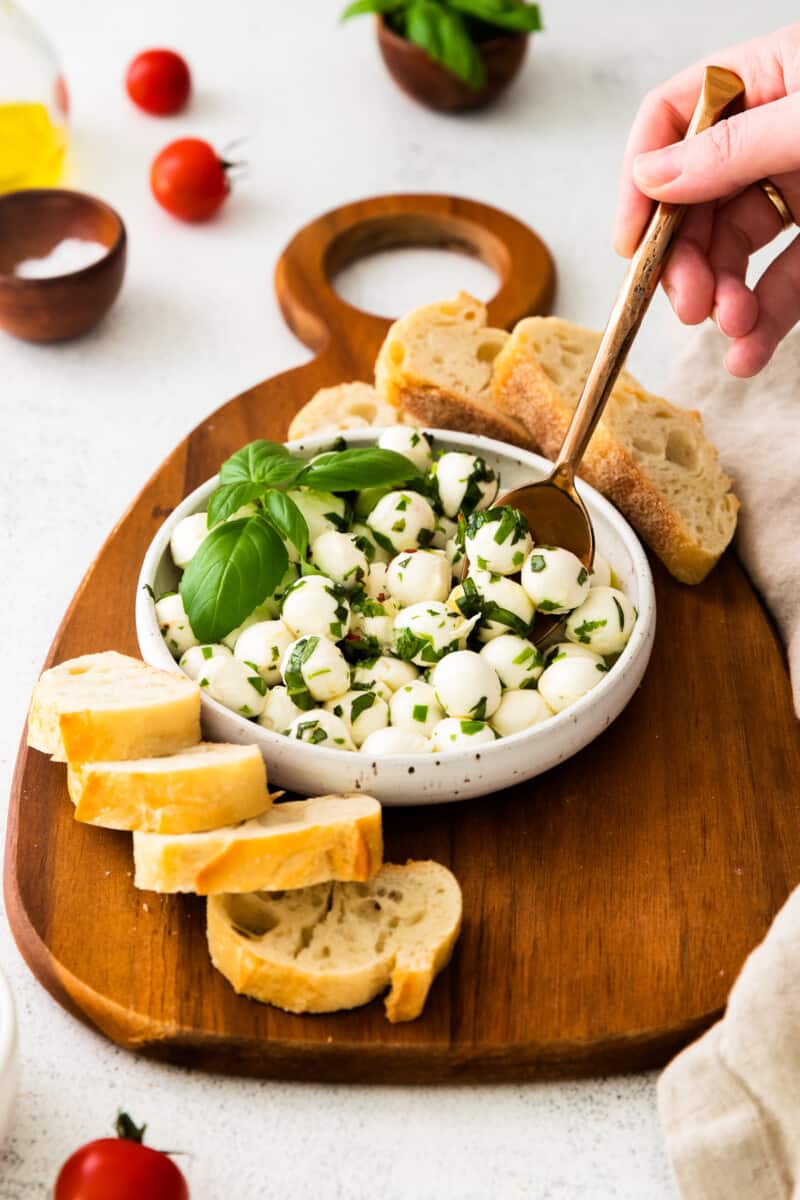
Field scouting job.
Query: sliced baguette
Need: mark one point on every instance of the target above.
(294, 845)
(346, 406)
(203, 787)
(338, 945)
(436, 365)
(649, 457)
(107, 707)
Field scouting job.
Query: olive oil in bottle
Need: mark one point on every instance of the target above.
(33, 105)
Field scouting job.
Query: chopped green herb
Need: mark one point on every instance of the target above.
(258, 683)
(620, 614)
(583, 630)
(548, 605)
(479, 709)
(472, 727)
(361, 704)
(321, 671)
(583, 575)
(399, 525)
(420, 712)
(207, 652)
(402, 504)
(537, 562)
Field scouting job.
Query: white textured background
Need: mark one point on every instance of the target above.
(83, 425)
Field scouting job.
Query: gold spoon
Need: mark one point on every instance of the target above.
(555, 512)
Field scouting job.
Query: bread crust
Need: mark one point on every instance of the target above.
(522, 388)
(311, 847)
(437, 409)
(61, 724)
(408, 970)
(180, 797)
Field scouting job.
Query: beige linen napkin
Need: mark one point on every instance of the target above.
(730, 1103)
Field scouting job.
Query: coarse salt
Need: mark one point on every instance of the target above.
(71, 254)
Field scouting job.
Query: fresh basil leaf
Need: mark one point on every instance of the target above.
(229, 498)
(514, 15)
(371, 6)
(352, 470)
(261, 462)
(288, 520)
(443, 35)
(238, 565)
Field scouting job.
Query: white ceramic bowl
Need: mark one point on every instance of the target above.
(8, 1056)
(433, 778)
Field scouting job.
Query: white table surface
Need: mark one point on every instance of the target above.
(83, 425)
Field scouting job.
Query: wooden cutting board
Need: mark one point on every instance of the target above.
(608, 904)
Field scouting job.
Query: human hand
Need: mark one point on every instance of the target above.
(717, 172)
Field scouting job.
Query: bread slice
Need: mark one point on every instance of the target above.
(206, 786)
(346, 406)
(338, 945)
(436, 365)
(105, 707)
(294, 845)
(649, 457)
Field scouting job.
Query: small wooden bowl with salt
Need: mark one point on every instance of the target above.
(62, 260)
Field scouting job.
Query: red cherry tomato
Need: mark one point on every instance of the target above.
(188, 179)
(120, 1168)
(159, 82)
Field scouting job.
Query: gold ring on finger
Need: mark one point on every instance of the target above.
(776, 199)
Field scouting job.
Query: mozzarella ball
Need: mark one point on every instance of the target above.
(600, 574)
(187, 537)
(279, 710)
(518, 710)
(516, 660)
(419, 575)
(412, 443)
(314, 605)
(555, 579)
(393, 740)
(365, 540)
(463, 482)
(362, 713)
(376, 584)
(262, 646)
(265, 612)
(453, 733)
(505, 605)
(415, 707)
(193, 662)
(314, 669)
(604, 621)
(567, 679)
(402, 521)
(373, 620)
(498, 540)
(322, 510)
(340, 559)
(318, 727)
(444, 531)
(384, 674)
(174, 624)
(466, 685)
(235, 685)
(425, 632)
(570, 650)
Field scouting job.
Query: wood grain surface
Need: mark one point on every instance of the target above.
(608, 904)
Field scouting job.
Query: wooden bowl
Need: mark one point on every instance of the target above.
(32, 223)
(428, 83)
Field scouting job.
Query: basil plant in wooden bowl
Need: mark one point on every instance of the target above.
(452, 55)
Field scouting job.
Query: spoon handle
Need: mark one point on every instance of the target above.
(720, 89)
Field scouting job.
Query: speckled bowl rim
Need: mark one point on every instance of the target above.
(639, 644)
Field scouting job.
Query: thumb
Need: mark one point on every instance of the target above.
(725, 158)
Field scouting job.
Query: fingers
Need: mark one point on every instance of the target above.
(741, 227)
(725, 158)
(665, 113)
(778, 296)
(688, 277)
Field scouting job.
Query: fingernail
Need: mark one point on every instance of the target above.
(658, 167)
